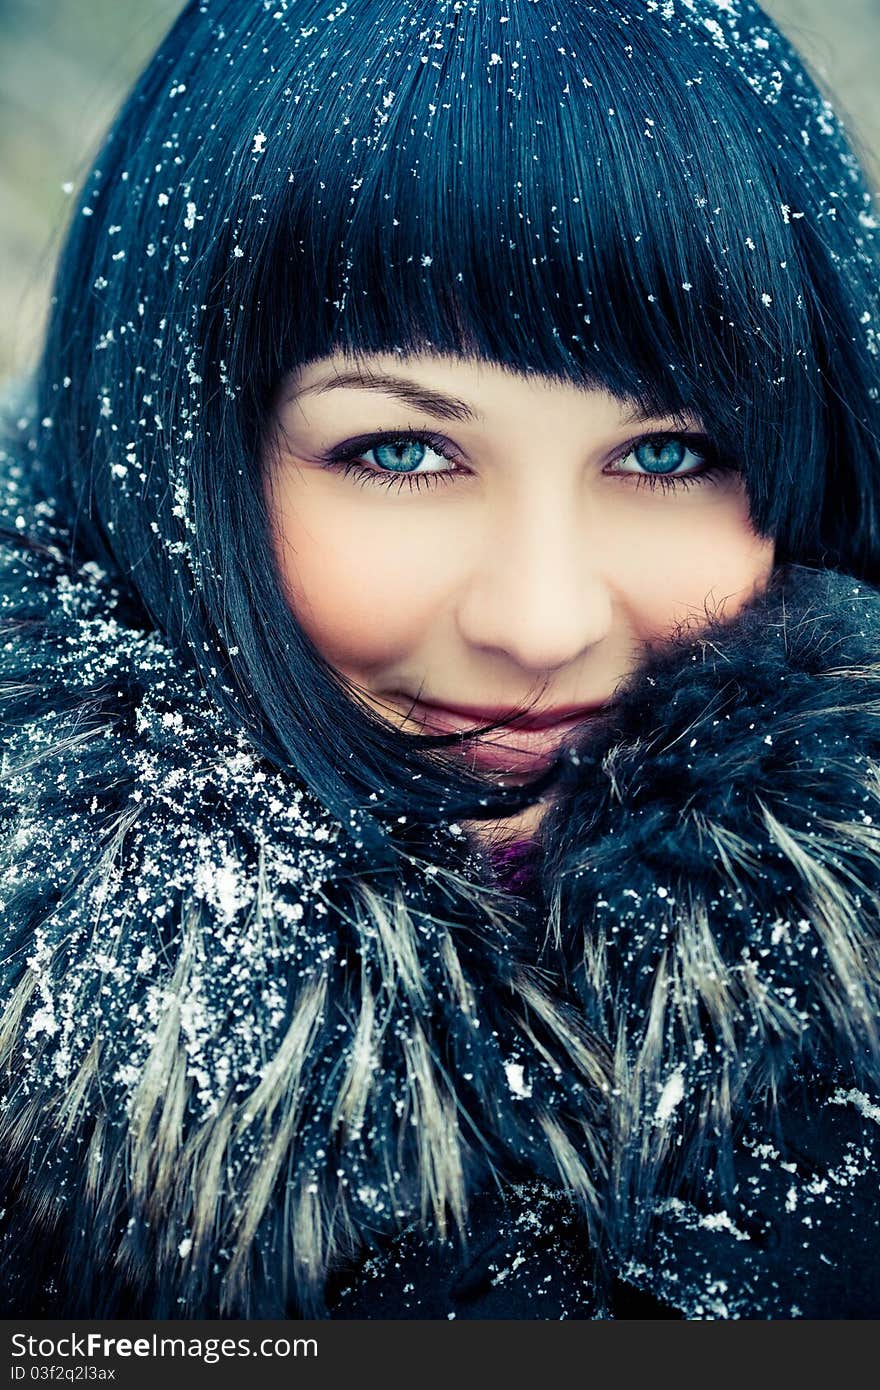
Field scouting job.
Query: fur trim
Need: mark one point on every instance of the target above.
(714, 880)
(237, 1056)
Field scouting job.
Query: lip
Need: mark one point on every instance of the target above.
(547, 719)
(532, 743)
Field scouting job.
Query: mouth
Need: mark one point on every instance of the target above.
(529, 746)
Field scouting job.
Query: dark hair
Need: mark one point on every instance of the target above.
(651, 196)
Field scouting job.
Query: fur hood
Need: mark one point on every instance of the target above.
(235, 1056)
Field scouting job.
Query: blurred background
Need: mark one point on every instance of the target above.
(66, 64)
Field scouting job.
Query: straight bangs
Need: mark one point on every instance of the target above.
(605, 195)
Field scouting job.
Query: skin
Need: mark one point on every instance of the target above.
(541, 571)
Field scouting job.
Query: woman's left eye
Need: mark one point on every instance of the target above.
(659, 459)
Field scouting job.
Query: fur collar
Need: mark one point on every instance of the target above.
(238, 1056)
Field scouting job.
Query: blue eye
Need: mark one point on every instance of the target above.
(659, 457)
(396, 460)
(664, 455)
(404, 456)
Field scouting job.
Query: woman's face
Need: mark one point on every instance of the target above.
(484, 540)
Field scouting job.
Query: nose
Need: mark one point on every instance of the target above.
(537, 592)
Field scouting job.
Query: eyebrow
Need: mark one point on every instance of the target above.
(422, 397)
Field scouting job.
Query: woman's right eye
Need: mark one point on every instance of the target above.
(395, 460)
(407, 455)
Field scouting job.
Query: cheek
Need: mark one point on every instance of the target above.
(358, 574)
(701, 559)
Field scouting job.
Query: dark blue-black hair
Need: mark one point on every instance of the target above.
(650, 196)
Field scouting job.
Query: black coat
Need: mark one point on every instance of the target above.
(246, 1075)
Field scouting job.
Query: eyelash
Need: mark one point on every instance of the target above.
(346, 460)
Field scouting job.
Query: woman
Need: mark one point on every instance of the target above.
(439, 652)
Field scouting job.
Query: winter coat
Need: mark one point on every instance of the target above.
(245, 1074)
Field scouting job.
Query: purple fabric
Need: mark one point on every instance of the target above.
(515, 864)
